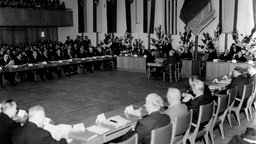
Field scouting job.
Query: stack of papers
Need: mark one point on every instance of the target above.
(97, 129)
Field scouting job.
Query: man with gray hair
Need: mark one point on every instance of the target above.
(252, 72)
(153, 120)
(32, 132)
(176, 108)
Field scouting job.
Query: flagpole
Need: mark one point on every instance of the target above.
(196, 47)
(149, 37)
(226, 41)
(97, 38)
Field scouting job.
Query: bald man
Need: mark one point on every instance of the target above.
(32, 132)
(176, 108)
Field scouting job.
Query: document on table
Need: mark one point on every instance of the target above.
(58, 131)
(97, 129)
(130, 110)
(78, 127)
(116, 121)
(21, 113)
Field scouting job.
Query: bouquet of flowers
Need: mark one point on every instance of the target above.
(185, 38)
(247, 41)
(162, 39)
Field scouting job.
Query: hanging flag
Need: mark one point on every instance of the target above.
(81, 15)
(149, 15)
(112, 16)
(228, 15)
(170, 16)
(197, 14)
(131, 15)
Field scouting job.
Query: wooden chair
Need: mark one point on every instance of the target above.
(248, 108)
(205, 116)
(178, 68)
(247, 91)
(132, 140)
(171, 71)
(181, 128)
(232, 96)
(161, 135)
(219, 116)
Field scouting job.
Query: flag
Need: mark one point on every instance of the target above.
(81, 15)
(228, 15)
(170, 16)
(112, 16)
(197, 14)
(131, 15)
(149, 15)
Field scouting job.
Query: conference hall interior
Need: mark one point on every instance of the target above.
(127, 71)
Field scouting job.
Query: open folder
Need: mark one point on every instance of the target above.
(98, 129)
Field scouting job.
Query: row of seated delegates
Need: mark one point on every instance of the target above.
(44, 4)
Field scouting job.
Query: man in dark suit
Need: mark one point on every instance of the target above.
(238, 80)
(201, 98)
(32, 132)
(153, 120)
(7, 124)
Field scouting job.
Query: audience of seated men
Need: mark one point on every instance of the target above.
(153, 120)
(176, 108)
(200, 98)
(32, 131)
(7, 124)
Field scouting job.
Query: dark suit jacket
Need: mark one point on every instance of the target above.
(31, 134)
(32, 59)
(195, 104)
(238, 81)
(252, 79)
(7, 125)
(149, 123)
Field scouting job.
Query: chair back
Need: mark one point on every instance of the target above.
(181, 126)
(232, 95)
(249, 90)
(132, 140)
(206, 112)
(223, 103)
(162, 134)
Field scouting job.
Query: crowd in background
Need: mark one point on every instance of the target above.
(42, 4)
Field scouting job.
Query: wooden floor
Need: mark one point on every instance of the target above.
(73, 99)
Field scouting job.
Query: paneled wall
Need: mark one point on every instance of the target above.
(15, 35)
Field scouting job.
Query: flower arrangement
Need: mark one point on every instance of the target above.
(185, 38)
(247, 42)
(162, 39)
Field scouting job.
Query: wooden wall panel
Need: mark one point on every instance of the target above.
(35, 17)
(26, 34)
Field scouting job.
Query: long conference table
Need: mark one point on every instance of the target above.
(52, 64)
(219, 69)
(85, 137)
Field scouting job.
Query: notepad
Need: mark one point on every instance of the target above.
(78, 127)
(21, 113)
(97, 129)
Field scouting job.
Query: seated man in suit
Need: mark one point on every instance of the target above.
(7, 124)
(153, 120)
(32, 132)
(238, 80)
(201, 98)
(176, 108)
(249, 137)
